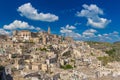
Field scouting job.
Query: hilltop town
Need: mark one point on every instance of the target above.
(41, 55)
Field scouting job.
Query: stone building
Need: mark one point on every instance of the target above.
(23, 35)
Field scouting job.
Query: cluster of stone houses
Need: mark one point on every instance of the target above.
(43, 56)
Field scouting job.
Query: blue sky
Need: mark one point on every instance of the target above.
(96, 20)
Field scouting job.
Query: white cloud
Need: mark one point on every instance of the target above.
(65, 31)
(106, 37)
(77, 24)
(70, 27)
(100, 24)
(89, 33)
(17, 24)
(69, 31)
(92, 12)
(115, 33)
(4, 32)
(37, 28)
(73, 35)
(30, 12)
(109, 37)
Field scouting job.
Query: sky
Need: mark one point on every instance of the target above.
(88, 20)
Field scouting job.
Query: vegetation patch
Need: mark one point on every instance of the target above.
(68, 53)
(43, 49)
(105, 59)
(112, 49)
(68, 66)
(92, 54)
(14, 56)
(1, 68)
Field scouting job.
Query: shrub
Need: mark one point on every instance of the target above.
(68, 66)
(68, 53)
(92, 54)
(111, 52)
(1, 68)
(105, 59)
(14, 56)
(43, 49)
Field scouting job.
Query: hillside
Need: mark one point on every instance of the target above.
(112, 49)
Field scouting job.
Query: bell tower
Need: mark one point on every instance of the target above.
(49, 30)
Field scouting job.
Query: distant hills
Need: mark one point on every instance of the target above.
(112, 49)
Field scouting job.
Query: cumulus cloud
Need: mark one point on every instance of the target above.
(106, 37)
(65, 31)
(17, 24)
(109, 37)
(100, 24)
(92, 13)
(89, 33)
(69, 31)
(37, 28)
(73, 34)
(30, 12)
(70, 27)
(77, 24)
(4, 32)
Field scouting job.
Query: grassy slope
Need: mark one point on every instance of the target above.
(112, 49)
